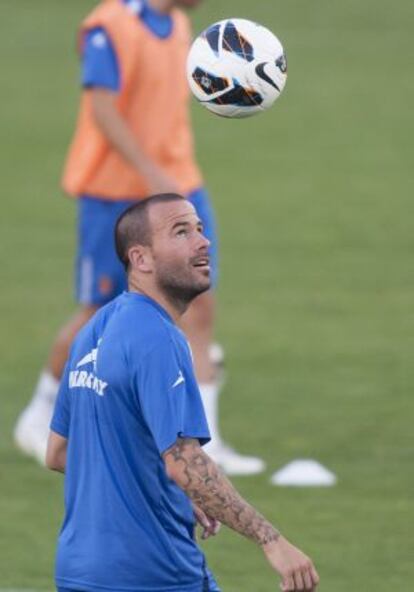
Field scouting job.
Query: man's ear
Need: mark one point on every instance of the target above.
(140, 258)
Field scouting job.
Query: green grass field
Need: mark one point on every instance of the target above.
(316, 301)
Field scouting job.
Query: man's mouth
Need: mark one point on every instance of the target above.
(202, 262)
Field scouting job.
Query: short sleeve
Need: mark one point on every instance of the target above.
(99, 61)
(169, 397)
(61, 415)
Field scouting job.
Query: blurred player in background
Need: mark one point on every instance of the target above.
(133, 138)
(129, 426)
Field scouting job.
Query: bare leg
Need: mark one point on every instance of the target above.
(197, 324)
(32, 427)
(60, 348)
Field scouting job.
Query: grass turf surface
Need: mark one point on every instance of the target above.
(314, 201)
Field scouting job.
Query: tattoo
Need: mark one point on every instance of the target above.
(209, 488)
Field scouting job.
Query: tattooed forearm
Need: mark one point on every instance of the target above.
(207, 486)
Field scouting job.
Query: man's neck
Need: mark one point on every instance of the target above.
(162, 6)
(174, 309)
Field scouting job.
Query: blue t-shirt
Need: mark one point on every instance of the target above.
(99, 61)
(128, 392)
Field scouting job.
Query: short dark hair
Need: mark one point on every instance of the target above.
(133, 226)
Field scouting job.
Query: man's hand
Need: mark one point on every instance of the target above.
(210, 526)
(56, 452)
(210, 490)
(158, 181)
(294, 567)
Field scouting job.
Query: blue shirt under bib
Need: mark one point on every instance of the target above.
(99, 60)
(127, 393)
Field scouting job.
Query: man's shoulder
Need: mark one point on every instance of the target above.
(93, 329)
(106, 12)
(180, 15)
(142, 321)
(182, 23)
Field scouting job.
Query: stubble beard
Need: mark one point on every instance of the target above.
(180, 288)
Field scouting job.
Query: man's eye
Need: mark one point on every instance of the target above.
(182, 232)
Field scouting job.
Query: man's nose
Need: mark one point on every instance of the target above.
(204, 242)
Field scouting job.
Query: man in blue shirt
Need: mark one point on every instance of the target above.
(129, 425)
(99, 276)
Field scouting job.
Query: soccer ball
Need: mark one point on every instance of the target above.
(236, 68)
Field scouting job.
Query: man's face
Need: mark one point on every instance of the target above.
(179, 250)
